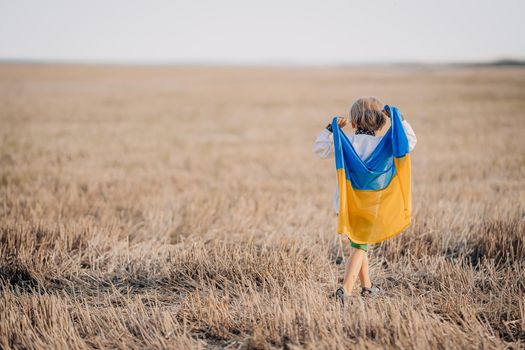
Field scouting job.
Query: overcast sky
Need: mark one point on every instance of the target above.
(262, 32)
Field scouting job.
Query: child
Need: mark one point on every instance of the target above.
(367, 116)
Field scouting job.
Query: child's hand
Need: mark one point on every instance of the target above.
(341, 121)
(387, 112)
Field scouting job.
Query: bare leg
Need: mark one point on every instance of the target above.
(353, 265)
(364, 275)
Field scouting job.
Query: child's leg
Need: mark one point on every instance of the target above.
(353, 265)
(364, 276)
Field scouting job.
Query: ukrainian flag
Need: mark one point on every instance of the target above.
(374, 195)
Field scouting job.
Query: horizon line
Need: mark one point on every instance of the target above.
(196, 63)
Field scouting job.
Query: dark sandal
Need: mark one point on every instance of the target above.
(373, 291)
(341, 295)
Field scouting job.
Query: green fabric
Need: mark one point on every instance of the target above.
(359, 246)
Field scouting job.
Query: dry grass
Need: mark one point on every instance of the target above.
(182, 208)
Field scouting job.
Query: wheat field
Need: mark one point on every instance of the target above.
(182, 207)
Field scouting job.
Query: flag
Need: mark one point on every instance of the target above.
(375, 194)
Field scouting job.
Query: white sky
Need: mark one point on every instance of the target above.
(262, 32)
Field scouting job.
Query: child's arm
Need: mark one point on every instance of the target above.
(411, 135)
(324, 144)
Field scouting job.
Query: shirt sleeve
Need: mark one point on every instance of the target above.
(324, 144)
(411, 135)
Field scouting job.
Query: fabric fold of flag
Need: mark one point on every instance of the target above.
(375, 194)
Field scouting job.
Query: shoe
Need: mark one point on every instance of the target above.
(373, 291)
(340, 295)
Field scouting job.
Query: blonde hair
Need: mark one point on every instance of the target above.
(367, 113)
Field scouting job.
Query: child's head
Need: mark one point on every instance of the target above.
(367, 114)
